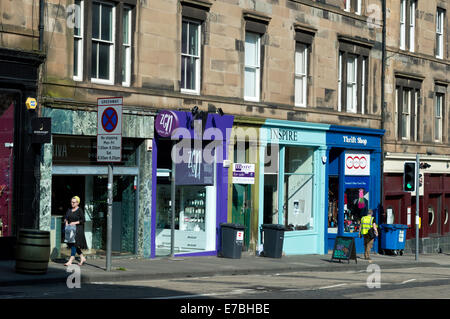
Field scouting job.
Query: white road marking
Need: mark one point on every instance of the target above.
(406, 281)
(333, 286)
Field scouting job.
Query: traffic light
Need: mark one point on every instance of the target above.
(409, 177)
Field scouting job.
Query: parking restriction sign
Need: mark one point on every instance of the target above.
(109, 129)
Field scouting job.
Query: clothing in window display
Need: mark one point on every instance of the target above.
(355, 207)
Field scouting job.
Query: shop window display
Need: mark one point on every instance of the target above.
(298, 188)
(356, 201)
(333, 204)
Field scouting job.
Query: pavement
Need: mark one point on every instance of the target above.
(137, 269)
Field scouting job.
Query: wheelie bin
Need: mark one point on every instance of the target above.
(393, 237)
(232, 240)
(272, 238)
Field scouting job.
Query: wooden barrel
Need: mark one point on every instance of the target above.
(33, 251)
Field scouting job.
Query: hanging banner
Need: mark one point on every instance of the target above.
(357, 163)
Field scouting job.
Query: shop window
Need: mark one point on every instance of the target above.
(271, 184)
(333, 204)
(298, 188)
(356, 202)
(430, 215)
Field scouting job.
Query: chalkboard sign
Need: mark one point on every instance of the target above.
(344, 248)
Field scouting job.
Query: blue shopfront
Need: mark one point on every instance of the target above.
(353, 176)
(292, 183)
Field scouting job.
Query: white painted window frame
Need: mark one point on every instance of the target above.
(126, 46)
(301, 63)
(412, 25)
(352, 101)
(111, 44)
(439, 100)
(256, 67)
(79, 20)
(402, 24)
(440, 16)
(197, 58)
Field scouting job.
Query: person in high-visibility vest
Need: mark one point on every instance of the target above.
(367, 222)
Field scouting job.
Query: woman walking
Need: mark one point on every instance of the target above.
(75, 216)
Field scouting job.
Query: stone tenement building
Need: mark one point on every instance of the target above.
(301, 61)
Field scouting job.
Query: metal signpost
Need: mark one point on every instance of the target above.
(109, 150)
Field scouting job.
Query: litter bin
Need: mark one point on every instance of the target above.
(232, 240)
(272, 238)
(393, 237)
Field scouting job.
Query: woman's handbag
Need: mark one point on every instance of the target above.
(70, 232)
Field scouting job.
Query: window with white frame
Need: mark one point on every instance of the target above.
(407, 24)
(78, 29)
(440, 15)
(252, 67)
(102, 59)
(352, 6)
(126, 46)
(301, 74)
(190, 56)
(439, 102)
(412, 25)
(352, 82)
(406, 112)
(407, 108)
(403, 24)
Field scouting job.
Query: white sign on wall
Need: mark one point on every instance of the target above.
(357, 163)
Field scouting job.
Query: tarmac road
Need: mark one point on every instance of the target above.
(372, 283)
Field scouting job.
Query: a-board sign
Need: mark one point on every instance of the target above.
(344, 249)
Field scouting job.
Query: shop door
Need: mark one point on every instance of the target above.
(93, 193)
(433, 209)
(394, 211)
(241, 210)
(446, 217)
(6, 162)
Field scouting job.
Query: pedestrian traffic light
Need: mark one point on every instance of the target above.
(409, 177)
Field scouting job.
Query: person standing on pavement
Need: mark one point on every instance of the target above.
(75, 216)
(367, 223)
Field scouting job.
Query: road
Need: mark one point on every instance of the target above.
(406, 283)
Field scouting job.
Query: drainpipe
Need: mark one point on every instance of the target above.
(383, 79)
(41, 25)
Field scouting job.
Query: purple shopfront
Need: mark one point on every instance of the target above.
(195, 144)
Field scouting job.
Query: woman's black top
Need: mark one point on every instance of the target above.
(78, 215)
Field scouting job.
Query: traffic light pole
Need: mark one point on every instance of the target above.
(417, 205)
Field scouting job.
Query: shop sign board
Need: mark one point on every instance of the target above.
(109, 129)
(357, 163)
(243, 173)
(166, 122)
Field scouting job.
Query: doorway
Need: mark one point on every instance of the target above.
(241, 209)
(92, 189)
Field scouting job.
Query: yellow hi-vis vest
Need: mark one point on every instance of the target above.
(366, 224)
